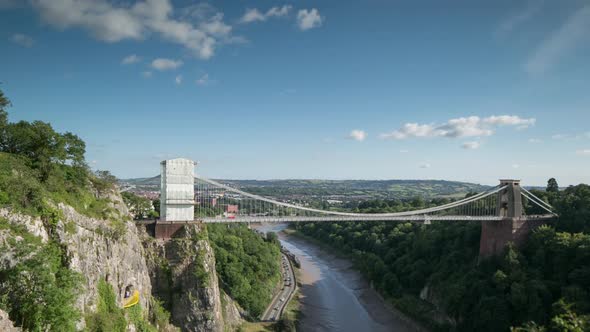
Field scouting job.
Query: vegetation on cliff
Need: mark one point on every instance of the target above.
(247, 264)
(544, 285)
(40, 168)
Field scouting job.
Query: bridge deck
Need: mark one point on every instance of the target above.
(267, 219)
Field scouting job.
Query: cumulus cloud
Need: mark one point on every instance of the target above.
(584, 152)
(358, 135)
(113, 21)
(162, 64)
(472, 126)
(535, 140)
(147, 74)
(424, 165)
(203, 80)
(470, 145)
(561, 42)
(509, 120)
(130, 59)
(254, 15)
(178, 79)
(309, 19)
(23, 40)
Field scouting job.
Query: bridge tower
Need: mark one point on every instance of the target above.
(514, 226)
(177, 196)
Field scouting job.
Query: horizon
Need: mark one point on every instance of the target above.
(303, 90)
(350, 179)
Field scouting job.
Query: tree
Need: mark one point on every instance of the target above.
(4, 103)
(552, 186)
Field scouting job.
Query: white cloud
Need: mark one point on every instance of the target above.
(115, 21)
(308, 19)
(178, 79)
(147, 74)
(560, 136)
(472, 126)
(203, 80)
(471, 145)
(584, 152)
(520, 18)
(403, 151)
(424, 165)
(358, 135)
(254, 15)
(510, 120)
(279, 11)
(561, 42)
(23, 40)
(166, 64)
(535, 140)
(130, 59)
(515, 166)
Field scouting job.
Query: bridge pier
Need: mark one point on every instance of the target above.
(495, 235)
(514, 227)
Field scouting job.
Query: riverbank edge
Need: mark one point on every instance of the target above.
(416, 323)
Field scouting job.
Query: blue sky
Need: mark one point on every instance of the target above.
(467, 90)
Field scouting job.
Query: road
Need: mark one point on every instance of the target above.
(280, 300)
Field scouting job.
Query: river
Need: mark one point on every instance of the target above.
(335, 297)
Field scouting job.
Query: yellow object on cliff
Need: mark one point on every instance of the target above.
(132, 300)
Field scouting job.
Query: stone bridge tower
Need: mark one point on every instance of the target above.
(514, 227)
(177, 196)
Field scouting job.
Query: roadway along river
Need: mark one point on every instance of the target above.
(334, 296)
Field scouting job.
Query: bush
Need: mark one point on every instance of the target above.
(39, 291)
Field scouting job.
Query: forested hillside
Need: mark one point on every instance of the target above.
(545, 285)
(247, 264)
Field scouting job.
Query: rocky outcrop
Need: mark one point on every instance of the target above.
(102, 249)
(33, 225)
(97, 249)
(5, 323)
(183, 276)
(180, 272)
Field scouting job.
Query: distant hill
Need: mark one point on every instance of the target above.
(358, 189)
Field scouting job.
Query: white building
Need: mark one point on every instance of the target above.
(177, 190)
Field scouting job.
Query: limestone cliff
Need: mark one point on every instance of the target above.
(182, 271)
(97, 249)
(5, 323)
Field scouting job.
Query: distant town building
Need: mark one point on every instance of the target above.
(231, 208)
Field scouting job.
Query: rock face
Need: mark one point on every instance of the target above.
(101, 249)
(183, 276)
(5, 323)
(180, 272)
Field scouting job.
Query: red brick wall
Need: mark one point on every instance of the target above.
(166, 231)
(495, 235)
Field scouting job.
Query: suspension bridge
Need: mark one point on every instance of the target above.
(186, 198)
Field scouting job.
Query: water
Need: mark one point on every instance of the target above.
(334, 296)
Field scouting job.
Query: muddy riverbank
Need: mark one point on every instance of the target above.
(335, 297)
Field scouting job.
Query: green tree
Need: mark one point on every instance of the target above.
(552, 186)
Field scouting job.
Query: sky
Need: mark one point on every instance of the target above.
(327, 89)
